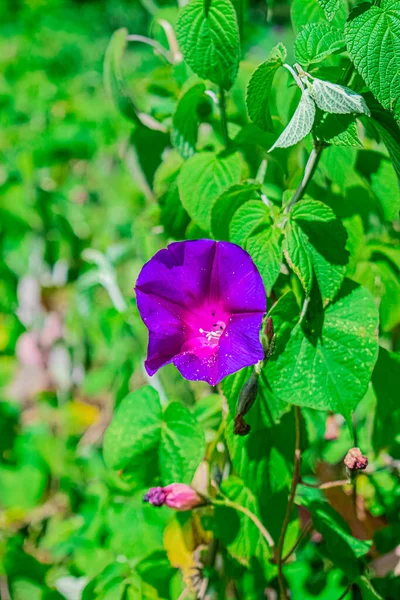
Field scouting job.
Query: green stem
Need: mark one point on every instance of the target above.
(224, 118)
(309, 171)
(285, 524)
(266, 535)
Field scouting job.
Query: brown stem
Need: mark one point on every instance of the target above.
(295, 481)
(346, 591)
(307, 529)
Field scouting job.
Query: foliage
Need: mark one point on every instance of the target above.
(128, 125)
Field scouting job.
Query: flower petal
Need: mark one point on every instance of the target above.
(237, 280)
(240, 346)
(180, 273)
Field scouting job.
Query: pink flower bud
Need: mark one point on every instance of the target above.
(176, 495)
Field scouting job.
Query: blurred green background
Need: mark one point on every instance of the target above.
(78, 218)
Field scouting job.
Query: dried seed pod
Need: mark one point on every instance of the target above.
(355, 460)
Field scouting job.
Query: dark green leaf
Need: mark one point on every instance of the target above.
(316, 244)
(185, 123)
(227, 204)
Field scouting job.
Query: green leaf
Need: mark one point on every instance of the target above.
(135, 428)
(316, 244)
(237, 532)
(373, 39)
(310, 11)
(386, 382)
(139, 426)
(259, 88)
(247, 219)
(252, 228)
(339, 130)
(182, 445)
(385, 185)
(330, 7)
(367, 591)
(116, 86)
(317, 41)
(388, 129)
(338, 545)
(338, 99)
(300, 124)
(203, 178)
(227, 204)
(265, 248)
(328, 360)
(209, 39)
(185, 122)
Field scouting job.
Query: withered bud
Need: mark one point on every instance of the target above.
(247, 395)
(246, 400)
(269, 330)
(241, 427)
(355, 460)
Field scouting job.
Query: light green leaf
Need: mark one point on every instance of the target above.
(135, 428)
(310, 11)
(373, 39)
(116, 86)
(385, 185)
(185, 122)
(339, 130)
(330, 7)
(265, 248)
(182, 445)
(249, 217)
(259, 88)
(338, 99)
(316, 244)
(316, 41)
(300, 124)
(227, 204)
(203, 178)
(208, 36)
(327, 362)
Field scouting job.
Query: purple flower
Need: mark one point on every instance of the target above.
(176, 495)
(203, 303)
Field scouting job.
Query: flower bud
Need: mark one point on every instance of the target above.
(355, 460)
(176, 495)
(269, 329)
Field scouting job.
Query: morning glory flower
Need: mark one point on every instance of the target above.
(203, 303)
